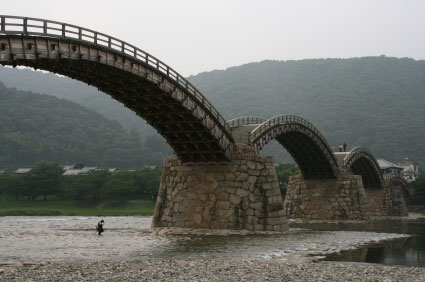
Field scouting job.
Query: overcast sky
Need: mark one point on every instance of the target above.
(193, 36)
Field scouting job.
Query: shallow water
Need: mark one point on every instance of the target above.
(409, 251)
(125, 238)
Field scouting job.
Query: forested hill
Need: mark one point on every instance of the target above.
(36, 127)
(375, 102)
(75, 91)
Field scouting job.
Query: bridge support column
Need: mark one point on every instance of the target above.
(242, 194)
(397, 202)
(388, 201)
(342, 198)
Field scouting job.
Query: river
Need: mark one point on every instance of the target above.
(74, 238)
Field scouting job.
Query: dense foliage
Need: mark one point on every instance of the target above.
(283, 172)
(36, 127)
(419, 188)
(46, 180)
(75, 91)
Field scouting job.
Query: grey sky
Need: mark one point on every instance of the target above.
(194, 35)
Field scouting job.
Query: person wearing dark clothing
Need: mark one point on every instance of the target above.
(344, 147)
(99, 227)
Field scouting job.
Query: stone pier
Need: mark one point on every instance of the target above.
(341, 198)
(388, 201)
(242, 194)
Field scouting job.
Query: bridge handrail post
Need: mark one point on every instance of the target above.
(63, 31)
(3, 24)
(25, 26)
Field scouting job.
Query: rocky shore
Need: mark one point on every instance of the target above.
(208, 270)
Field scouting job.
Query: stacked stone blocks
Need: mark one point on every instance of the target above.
(243, 194)
(341, 198)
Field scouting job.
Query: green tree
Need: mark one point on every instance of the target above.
(283, 172)
(44, 179)
(122, 184)
(94, 182)
(419, 187)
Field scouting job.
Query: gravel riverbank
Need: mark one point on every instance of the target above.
(210, 270)
(68, 249)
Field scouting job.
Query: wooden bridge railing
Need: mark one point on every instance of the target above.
(285, 119)
(13, 25)
(245, 121)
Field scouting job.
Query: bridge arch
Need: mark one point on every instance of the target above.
(304, 143)
(361, 161)
(166, 100)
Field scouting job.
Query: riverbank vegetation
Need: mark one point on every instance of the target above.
(44, 190)
(53, 207)
(418, 187)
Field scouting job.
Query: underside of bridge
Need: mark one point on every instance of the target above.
(370, 178)
(308, 155)
(304, 143)
(191, 129)
(361, 162)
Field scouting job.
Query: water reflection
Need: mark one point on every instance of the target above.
(408, 251)
(405, 251)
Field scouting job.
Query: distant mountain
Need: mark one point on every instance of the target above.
(75, 91)
(375, 102)
(35, 127)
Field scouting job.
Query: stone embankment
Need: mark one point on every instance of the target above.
(243, 194)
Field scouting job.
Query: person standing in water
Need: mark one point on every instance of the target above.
(99, 227)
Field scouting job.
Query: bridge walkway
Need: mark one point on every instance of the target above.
(241, 133)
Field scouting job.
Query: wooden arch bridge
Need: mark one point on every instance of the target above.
(165, 99)
(191, 125)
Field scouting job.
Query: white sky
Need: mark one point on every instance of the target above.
(193, 36)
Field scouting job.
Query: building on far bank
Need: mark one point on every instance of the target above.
(2, 171)
(82, 171)
(410, 169)
(23, 170)
(150, 167)
(388, 168)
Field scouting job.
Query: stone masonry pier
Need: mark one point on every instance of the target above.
(242, 194)
(341, 198)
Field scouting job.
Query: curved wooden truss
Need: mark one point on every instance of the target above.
(157, 93)
(361, 161)
(303, 141)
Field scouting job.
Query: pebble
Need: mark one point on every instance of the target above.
(211, 270)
